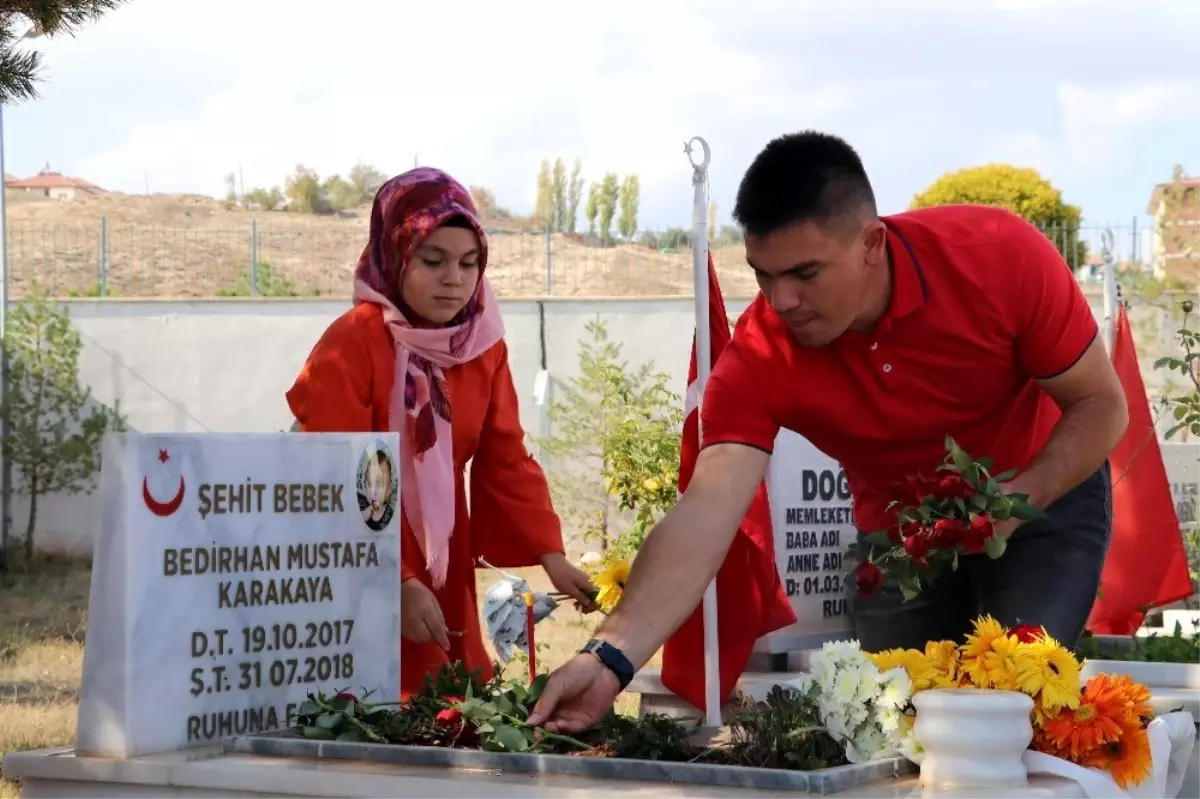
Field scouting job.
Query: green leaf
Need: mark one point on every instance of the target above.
(351, 736)
(510, 738)
(1004, 477)
(978, 503)
(986, 463)
(878, 539)
(317, 733)
(910, 587)
(328, 720)
(308, 708)
(995, 546)
(958, 456)
(1180, 412)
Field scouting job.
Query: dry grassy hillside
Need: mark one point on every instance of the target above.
(191, 246)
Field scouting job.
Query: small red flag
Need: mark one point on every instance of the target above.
(1147, 564)
(751, 600)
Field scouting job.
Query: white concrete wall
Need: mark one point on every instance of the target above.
(225, 365)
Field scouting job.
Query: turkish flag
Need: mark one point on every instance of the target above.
(751, 600)
(1146, 565)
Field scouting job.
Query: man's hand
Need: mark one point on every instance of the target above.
(577, 695)
(421, 618)
(570, 580)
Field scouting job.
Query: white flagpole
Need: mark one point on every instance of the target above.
(1110, 288)
(712, 662)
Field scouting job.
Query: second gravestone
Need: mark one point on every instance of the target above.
(812, 519)
(232, 576)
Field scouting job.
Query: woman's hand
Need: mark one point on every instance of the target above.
(570, 580)
(421, 618)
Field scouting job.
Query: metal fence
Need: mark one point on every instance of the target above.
(316, 258)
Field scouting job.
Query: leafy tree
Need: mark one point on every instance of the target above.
(610, 191)
(305, 193)
(231, 192)
(55, 428)
(558, 184)
(630, 197)
(21, 71)
(340, 193)
(266, 199)
(366, 180)
(615, 445)
(593, 207)
(1185, 407)
(574, 195)
(486, 205)
(543, 206)
(1020, 190)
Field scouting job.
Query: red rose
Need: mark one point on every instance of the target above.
(955, 486)
(868, 578)
(347, 697)
(898, 533)
(977, 533)
(916, 546)
(947, 533)
(1027, 633)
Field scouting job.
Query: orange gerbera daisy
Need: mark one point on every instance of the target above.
(1075, 734)
(1119, 696)
(1126, 759)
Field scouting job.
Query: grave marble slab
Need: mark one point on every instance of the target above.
(290, 744)
(232, 576)
(812, 518)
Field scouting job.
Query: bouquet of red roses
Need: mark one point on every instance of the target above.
(940, 519)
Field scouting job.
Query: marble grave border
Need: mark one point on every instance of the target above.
(289, 743)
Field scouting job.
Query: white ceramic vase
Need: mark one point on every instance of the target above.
(973, 738)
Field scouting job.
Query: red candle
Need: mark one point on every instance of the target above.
(529, 636)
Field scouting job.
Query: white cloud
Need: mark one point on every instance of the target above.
(1096, 119)
(184, 91)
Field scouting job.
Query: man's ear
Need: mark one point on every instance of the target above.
(875, 243)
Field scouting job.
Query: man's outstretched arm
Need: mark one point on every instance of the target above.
(684, 551)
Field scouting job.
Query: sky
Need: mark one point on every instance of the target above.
(1103, 97)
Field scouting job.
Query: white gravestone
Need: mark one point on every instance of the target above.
(812, 517)
(232, 576)
(1182, 461)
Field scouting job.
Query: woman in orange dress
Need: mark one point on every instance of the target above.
(422, 353)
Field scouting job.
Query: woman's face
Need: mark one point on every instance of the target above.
(442, 274)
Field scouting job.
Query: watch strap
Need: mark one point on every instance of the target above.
(612, 658)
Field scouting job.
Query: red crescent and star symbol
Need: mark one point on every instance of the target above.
(162, 508)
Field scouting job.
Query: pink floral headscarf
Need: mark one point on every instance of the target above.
(406, 210)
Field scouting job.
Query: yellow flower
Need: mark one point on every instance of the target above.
(913, 661)
(1049, 673)
(943, 663)
(650, 484)
(977, 647)
(1000, 664)
(611, 582)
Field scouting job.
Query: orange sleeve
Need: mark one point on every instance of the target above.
(513, 522)
(332, 394)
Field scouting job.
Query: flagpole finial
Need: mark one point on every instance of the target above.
(700, 170)
(1106, 245)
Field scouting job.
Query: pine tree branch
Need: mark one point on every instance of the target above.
(20, 71)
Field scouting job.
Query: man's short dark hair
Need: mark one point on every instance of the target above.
(801, 177)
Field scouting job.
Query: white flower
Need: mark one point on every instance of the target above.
(590, 559)
(845, 686)
(896, 689)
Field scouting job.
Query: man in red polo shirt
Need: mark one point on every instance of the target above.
(875, 338)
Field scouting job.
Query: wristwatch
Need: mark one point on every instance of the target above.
(612, 658)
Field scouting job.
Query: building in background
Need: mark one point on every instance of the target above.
(54, 185)
(1175, 206)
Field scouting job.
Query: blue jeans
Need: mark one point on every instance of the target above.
(1048, 576)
